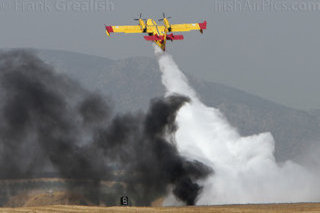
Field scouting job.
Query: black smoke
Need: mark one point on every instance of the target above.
(48, 120)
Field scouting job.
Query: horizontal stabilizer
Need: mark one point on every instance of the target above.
(154, 38)
(161, 38)
(174, 37)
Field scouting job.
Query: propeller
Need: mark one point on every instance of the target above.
(164, 16)
(140, 17)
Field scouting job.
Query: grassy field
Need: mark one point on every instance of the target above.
(273, 208)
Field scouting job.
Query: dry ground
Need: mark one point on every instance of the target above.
(273, 208)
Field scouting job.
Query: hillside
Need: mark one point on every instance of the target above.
(132, 82)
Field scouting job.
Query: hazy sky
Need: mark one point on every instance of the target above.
(268, 48)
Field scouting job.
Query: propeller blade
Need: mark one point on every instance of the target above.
(164, 16)
(140, 17)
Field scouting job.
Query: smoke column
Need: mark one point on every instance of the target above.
(245, 168)
(49, 121)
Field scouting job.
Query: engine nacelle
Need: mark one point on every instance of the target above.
(167, 24)
(142, 25)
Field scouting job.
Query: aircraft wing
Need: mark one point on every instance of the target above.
(188, 27)
(124, 29)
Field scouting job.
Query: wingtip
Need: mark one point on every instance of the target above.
(203, 26)
(109, 30)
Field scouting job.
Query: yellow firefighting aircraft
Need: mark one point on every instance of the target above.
(157, 33)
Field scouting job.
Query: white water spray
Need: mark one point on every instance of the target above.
(245, 170)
